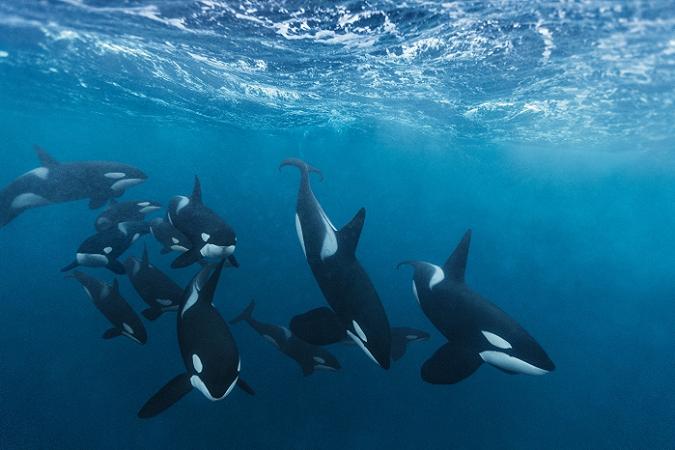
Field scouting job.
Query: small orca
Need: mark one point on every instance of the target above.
(55, 182)
(401, 337)
(207, 347)
(343, 281)
(131, 211)
(169, 236)
(156, 289)
(477, 331)
(108, 300)
(103, 248)
(209, 235)
(308, 356)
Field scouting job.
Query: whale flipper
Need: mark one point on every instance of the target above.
(450, 364)
(233, 261)
(151, 313)
(173, 391)
(244, 386)
(349, 234)
(111, 333)
(186, 259)
(318, 326)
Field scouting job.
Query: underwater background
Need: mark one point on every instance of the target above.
(545, 127)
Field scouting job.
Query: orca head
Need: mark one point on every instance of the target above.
(137, 333)
(324, 360)
(146, 207)
(92, 287)
(218, 243)
(122, 176)
(374, 341)
(213, 378)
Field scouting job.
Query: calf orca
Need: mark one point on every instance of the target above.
(156, 289)
(308, 356)
(401, 337)
(103, 248)
(131, 211)
(169, 236)
(477, 331)
(55, 182)
(209, 235)
(207, 347)
(343, 281)
(108, 300)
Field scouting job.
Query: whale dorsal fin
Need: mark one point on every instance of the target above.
(45, 158)
(349, 234)
(197, 191)
(455, 266)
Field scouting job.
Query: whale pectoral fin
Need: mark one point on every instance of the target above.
(307, 368)
(244, 386)
(97, 202)
(173, 391)
(151, 313)
(186, 259)
(70, 266)
(349, 235)
(233, 261)
(111, 333)
(45, 158)
(116, 267)
(450, 364)
(318, 326)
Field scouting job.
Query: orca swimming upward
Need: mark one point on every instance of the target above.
(103, 248)
(343, 281)
(132, 211)
(108, 300)
(477, 331)
(308, 356)
(401, 337)
(55, 182)
(209, 235)
(154, 287)
(171, 239)
(208, 349)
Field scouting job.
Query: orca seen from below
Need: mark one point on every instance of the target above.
(401, 337)
(131, 211)
(169, 237)
(108, 300)
(209, 352)
(477, 331)
(331, 255)
(309, 357)
(57, 182)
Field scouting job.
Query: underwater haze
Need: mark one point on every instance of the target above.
(544, 127)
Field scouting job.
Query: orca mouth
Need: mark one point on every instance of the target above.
(91, 259)
(121, 185)
(217, 251)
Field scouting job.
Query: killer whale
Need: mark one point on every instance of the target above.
(209, 235)
(343, 281)
(171, 239)
(112, 305)
(157, 290)
(401, 337)
(57, 182)
(129, 211)
(309, 357)
(477, 331)
(209, 352)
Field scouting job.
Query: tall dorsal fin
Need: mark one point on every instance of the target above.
(455, 266)
(197, 191)
(146, 258)
(45, 158)
(349, 234)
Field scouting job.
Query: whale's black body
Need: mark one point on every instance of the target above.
(401, 337)
(209, 352)
(309, 357)
(477, 331)
(108, 300)
(156, 289)
(103, 248)
(131, 211)
(55, 182)
(209, 235)
(343, 281)
(170, 237)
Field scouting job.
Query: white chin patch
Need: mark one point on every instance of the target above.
(121, 185)
(511, 363)
(412, 337)
(164, 302)
(497, 341)
(212, 251)
(437, 276)
(359, 342)
(182, 203)
(324, 367)
(199, 384)
(115, 175)
(131, 336)
(91, 259)
(28, 200)
(298, 229)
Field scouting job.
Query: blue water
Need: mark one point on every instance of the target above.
(546, 128)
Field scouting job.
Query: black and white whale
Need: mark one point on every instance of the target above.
(401, 337)
(131, 211)
(309, 357)
(171, 239)
(210, 237)
(208, 349)
(477, 331)
(156, 289)
(103, 248)
(343, 281)
(108, 300)
(55, 182)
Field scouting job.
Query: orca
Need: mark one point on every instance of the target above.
(477, 331)
(131, 211)
(343, 281)
(209, 352)
(56, 182)
(103, 248)
(169, 237)
(156, 289)
(401, 337)
(309, 357)
(210, 237)
(108, 300)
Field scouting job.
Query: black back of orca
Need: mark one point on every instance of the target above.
(341, 278)
(477, 331)
(130, 211)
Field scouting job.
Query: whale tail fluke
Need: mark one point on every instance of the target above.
(246, 314)
(305, 168)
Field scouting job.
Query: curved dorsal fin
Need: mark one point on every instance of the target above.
(45, 158)
(197, 191)
(455, 266)
(349, 234)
